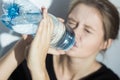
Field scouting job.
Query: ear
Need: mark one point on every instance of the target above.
(107, 44)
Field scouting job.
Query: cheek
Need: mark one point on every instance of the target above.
(89, 46)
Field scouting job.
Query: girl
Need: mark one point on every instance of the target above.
(95, 24)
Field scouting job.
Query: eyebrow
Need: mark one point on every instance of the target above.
(72, 19)
(89, 27)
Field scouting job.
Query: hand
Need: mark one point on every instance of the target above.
(57, 51)
(15, 56)
(39, 48)
(41, 42)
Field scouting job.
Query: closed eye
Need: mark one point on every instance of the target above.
(86, 30)
(89, 29)
(72, 23)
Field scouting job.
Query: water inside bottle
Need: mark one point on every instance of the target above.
(67, 40)
(23, 17)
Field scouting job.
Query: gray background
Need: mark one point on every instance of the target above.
(59, 8)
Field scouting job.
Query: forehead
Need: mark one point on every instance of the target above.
(85, 14)
(84, 11)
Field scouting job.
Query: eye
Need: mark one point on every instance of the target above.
(72, 24)
(86, 30)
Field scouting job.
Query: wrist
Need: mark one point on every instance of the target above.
(38, 71)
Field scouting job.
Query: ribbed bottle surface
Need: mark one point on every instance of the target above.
(23, 17)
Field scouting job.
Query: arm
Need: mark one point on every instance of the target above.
(39, 48)
(10, 61)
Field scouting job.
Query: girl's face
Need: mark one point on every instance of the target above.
(86, 22)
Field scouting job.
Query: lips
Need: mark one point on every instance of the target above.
(75, 45)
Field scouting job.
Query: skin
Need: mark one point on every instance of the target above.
(37, 65)
(88, 31)
(19, 52)
(14, 57)
(74, 64)
(80, 60)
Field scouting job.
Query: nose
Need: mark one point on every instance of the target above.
(78, 33)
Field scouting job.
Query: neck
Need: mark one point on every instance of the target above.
(80, 67)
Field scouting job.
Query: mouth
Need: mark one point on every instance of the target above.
(75, 45)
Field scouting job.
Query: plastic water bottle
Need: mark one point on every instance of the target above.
(24, 17)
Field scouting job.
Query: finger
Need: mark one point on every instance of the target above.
(61, 19)
(43, 21)
(44, 13)
(55, 51)
(24, 36)
(50, 25)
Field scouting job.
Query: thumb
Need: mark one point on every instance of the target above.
(55, 51)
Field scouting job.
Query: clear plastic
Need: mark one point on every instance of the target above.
(23, 17)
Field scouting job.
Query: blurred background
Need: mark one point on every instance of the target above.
(59, 8)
